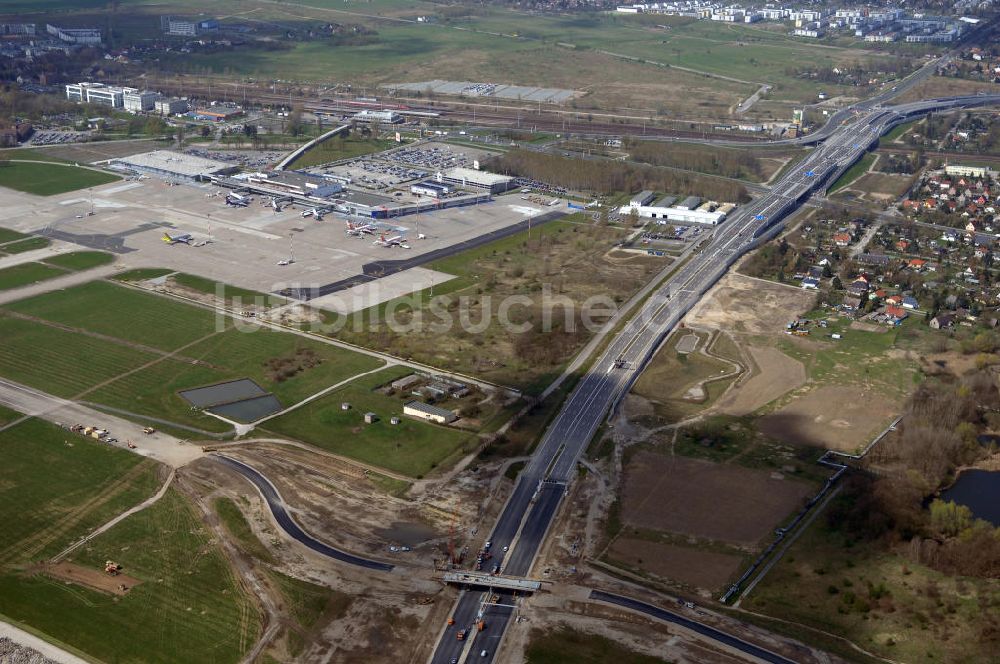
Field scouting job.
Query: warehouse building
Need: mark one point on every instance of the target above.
(173, 165)
(472, 179)
(427, 412)
(642, 198)
(690, 211)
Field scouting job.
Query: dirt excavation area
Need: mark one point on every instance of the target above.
(691, 566)
(774, 374)
(744, 305)
(368, 613)
(723, 503)
(831, 417)
(118, 584)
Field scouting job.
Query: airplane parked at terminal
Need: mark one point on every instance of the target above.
(358, 231)
(394, 241)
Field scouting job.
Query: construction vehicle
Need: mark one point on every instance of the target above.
(112, 568)
(130, 444)
(481, 625)
(149, 431)
(451, 620)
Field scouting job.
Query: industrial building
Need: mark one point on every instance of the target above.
(473, 179)
(79, 36)
(689, 211)
(427, 412)
(173, 165)
(170, 106)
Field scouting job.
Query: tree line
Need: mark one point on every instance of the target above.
(605, 177)
(728, 163)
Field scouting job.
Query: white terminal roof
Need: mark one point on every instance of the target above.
(174, 162)
(478, 177)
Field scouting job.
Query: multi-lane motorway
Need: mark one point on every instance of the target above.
(525, 519)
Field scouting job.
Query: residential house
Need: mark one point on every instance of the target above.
(942, 322)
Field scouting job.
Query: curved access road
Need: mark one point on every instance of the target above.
(694, 626)
(287, 523)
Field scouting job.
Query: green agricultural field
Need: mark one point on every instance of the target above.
(231, 293)
(247, 353)
(56, 486)
(7, 235)
(123, 313)
(411, 447)
(27, 244)
(81, 260)
(48, 179)
(27, 273)
(7, 416)
(58, 361)
(153, 392)
(26, 154)
(188, 608)
(67, 363)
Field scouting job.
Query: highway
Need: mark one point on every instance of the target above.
(288, 524)
(525, 519)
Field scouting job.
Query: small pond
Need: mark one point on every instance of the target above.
(979, 490)
(213, 395)
(248, 410)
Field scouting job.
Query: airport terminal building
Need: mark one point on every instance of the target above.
(173, 165)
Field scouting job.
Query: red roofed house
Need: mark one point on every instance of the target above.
(899, 313)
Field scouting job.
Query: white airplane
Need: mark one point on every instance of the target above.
(286, 261)
(394, 241)
(358, 231)
(235, 200)
(309, 213)
(421, 236)
(185, 238)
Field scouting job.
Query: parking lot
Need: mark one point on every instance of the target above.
(403, 166)
(47, 137)
(246, 158)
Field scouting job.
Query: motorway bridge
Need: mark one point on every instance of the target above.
(525, 519)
